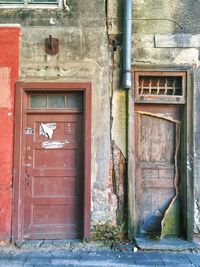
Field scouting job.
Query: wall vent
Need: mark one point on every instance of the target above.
(160, 87)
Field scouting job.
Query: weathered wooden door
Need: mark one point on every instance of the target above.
(157, 148)
(52, 183)
(53, 174)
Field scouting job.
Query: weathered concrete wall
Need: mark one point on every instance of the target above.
(83, 56)
(156, 24)
(166, 16)
(196, 151)
(118, 102)
(84, 30)
(165, 34)
(175, 50)
(147, 50)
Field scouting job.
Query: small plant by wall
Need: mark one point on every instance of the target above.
(108, 233)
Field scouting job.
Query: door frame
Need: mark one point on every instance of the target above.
(22, 91)
(187, 152)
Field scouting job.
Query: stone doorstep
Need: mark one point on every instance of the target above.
(63, 243)
(66, 244)
(146, 244)
(165, 244)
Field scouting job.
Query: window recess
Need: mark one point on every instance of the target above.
(160, 87)
(30, 3)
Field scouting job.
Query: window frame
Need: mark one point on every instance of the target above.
(29, 5)
(66, 96)
(164, 99)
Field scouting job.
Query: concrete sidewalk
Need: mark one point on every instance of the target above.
(89, 257)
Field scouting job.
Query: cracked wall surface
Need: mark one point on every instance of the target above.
(167, 41)
(196, 158)
(85, 54)
(83, 57)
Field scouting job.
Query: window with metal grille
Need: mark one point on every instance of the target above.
(160, 87)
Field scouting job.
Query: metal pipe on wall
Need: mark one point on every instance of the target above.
(126, 80)
(127, 37)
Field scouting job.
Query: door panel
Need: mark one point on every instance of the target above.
(54, 177)
(157, 139)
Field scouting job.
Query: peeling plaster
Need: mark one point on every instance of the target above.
(54, 144)
(196, 216)
(5, 93)
(46, 129)
(119, 182)
(5, 187)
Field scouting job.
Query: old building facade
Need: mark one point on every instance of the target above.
(78, 148)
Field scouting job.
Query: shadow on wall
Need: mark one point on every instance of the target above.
(162, 17)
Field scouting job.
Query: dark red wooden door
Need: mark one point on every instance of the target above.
(53, 176)
(157, 156)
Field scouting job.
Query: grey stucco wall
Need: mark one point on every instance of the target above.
(83, 56)
(165, 34)
(176, 25)
(196, 160)
(162, 16)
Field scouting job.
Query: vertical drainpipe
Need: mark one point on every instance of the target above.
(127, 37)
(126, 83)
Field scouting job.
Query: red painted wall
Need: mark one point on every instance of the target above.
(9, 71)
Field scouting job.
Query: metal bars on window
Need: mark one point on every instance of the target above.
(160, 87)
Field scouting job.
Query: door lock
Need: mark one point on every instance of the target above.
(27, 176)
(29, 158)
